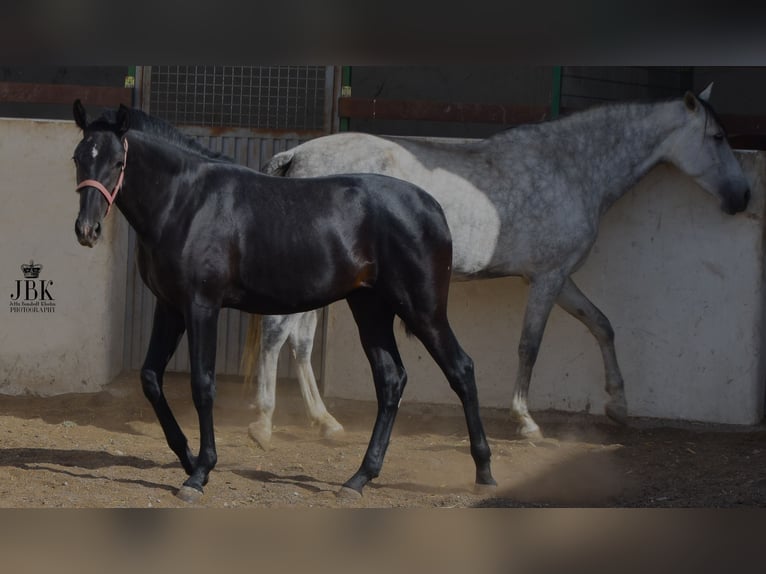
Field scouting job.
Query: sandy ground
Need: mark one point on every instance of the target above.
(106, 450)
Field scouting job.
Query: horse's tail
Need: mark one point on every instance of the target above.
(279, 163)
(406, 328)
(252, 351)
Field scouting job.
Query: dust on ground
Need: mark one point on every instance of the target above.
(107, 450)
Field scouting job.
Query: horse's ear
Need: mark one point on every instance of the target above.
(691, 101)
(705, 94)
(80, 116)
(123, 119)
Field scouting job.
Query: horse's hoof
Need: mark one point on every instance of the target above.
(348, 494)
(485, 489)
(332, 430)
(618, 412)
(189, 494)
(525, 426)
(529, 431)
(261, 434)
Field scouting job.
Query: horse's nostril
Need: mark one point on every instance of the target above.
(97, 229)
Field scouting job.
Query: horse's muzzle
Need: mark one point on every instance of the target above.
(87, 234)
(736, 202)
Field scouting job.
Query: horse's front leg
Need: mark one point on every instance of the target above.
(202, 325)
(543, 291)
(167, 329)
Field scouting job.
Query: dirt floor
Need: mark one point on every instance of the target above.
(107, 450)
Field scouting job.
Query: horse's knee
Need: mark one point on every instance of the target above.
(462, 377)
(150, 383)
(203, 392)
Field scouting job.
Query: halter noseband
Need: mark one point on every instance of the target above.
(102, 188)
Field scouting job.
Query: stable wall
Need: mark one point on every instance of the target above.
(76, 343)
(682, 284)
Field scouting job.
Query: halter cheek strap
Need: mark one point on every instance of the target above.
(102, 188)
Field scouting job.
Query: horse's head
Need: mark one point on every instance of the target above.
(700, 149)
(100, 162)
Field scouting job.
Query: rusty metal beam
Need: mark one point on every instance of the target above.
(368, 108)
(745, 132)
(28, 93)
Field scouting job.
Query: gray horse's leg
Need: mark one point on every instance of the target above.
(574, 302)
(301, 340)
(542, 294)
(274, 332)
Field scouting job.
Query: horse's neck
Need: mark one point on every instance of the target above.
(626, 144)
(149, 190)
(606, 151)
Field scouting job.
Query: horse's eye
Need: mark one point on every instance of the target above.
(718, 137)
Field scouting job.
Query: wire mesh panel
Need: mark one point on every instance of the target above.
(266, 97)
(582, 86)
(249, 113)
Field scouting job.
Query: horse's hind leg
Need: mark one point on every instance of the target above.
(301, 340)
(167, 329)
(274, 332)
(574, 302)
(439, 340)
(299, 329)
(375, 321)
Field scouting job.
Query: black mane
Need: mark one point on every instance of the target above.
(143, 122)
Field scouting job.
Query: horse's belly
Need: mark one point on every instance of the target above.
(283, 302)
(473, 221)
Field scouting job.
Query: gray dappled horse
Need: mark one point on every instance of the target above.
(525, 202)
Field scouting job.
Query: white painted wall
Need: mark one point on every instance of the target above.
(78, 347)
(682, 283)
(680, 280)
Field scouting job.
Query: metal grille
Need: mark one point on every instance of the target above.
(582, 87)
(267, 97)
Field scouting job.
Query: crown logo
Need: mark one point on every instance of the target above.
(31, 270)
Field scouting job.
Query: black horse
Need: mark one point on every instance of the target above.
(214, 234)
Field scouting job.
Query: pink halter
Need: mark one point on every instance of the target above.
(100, 186)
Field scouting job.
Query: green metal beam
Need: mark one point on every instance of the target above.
(556, 92)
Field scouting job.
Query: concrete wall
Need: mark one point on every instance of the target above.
(76, 343)
(682, 283)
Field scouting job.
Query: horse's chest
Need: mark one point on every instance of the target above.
(161, 273)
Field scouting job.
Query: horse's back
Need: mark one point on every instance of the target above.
(461, 176)
(303, 243)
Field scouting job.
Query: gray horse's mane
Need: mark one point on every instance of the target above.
(157, 127)
(606, 106)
